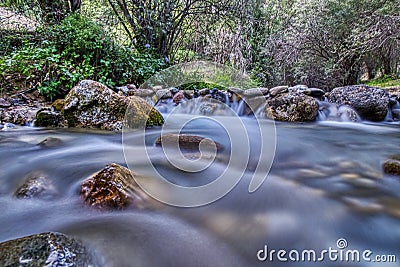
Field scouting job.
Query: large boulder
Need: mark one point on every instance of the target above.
(91, 104)
(46, 249)
(114, 187)
(371, 103)
(292, 107)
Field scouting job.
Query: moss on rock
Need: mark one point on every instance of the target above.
(91, 104)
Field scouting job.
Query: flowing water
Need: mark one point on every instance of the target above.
(325, 184)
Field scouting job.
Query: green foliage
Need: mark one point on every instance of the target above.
(77, 49)
(200, 85)
(385, 81)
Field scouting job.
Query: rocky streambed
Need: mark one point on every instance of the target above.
(92, 105)
(70, 200)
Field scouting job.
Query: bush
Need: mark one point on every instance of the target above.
(77, 49)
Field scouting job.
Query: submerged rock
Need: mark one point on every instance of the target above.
(114, 187)
(187, 142)
(91, 104)
(371, 103)
(50, 142)
(292, 107)
(36, 186)
(46, 249)
(392, 165)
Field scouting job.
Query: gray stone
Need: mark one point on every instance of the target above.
(299, 87)
(237, 91)
(278, 90)
(19, 115)
(292, 107)
(254, 92)
(143, 92)
(314, 92)
(163, 94)
(46, 249)
(371, 103)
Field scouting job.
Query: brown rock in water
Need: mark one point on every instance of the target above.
(187, 142)
(178, 97)
(392, 165)
(114, 187)
(46, 249)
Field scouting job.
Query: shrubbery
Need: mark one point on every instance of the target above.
(76, 49)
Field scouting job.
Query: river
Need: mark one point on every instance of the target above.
(325, 184)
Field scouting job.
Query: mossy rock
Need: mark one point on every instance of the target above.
(47, 118)
(91, 104)
(58, 105)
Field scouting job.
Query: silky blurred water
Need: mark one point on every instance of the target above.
(325, 183)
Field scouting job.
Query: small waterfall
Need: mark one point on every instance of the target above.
(238, 107)
(394, 112)
(389, 115)
(203, 106)
(332, 112)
